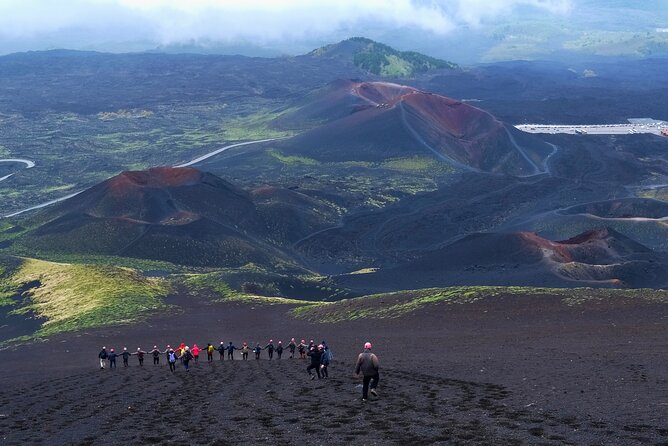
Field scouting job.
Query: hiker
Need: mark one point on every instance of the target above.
(187, 356)
(270, 349)
(156, 355)
(302, 350)
(279, 349)
(111, 356)
(244, 351)
(102, 355)
(368, 364)
(316, 357)
(209, 352)
(326, 359)
(195, 352)
(292, 347)
(257, 350)
(311, 345)
(126, 356)
(230, 351)
(140, 355)
(180, 351)
(221, 350)
(171, 359)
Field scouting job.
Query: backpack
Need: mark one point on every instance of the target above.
(172, 357)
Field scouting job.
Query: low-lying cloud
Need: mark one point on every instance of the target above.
(175, 21)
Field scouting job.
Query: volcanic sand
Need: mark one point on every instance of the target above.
(507, 370)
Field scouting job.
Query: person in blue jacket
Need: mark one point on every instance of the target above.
(111, 356)
(221, 350)
(257, 350)
(230, 350)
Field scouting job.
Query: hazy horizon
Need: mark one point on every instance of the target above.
(458, 30)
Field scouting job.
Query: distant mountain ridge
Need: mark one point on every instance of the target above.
(381, 59)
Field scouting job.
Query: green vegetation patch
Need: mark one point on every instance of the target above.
(223, 292)
(292, 160)
(253, 127)
(394, 305)
(73, 297)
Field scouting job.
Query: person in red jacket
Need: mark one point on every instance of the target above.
(368, 364)
(195, 352)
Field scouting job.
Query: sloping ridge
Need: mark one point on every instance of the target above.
(373, 121)
(600, 258)
(181, 215)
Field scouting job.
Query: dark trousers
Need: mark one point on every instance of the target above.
(222, 356)
(125, 362)
(324, 371)
(186, 364)
(244, 356)
(271, 353)
(156, 360)
(141, 361)
(112, 364)
(230, 355)
(209, 356)
(279, 354)
(314, 366)
(172, 366)
(365, 384)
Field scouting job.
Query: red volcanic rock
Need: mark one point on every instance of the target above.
(373, 121)
(155, 177)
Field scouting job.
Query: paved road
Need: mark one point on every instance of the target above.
(610, 129)
(30, 164)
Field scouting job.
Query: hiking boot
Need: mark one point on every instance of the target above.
(373, 392)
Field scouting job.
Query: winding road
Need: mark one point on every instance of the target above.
(30, 164)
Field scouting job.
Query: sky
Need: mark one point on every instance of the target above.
(278, 26)
(40, 24)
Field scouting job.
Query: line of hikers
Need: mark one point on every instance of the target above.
(320, 355)
(184, 354)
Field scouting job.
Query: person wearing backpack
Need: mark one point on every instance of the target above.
(270, 349)
(326, 359)
(316, 357)
(292, 347)
(279, 349)
(209, 352)
(244, 351)
(156, 355)
(302, 350)
(111, 356)
(186, 357)
(140, 355)
(103, 356)
(221, 350)
(368, 364)
(171, 359)
(230, 351)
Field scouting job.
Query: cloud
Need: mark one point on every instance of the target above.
(174, 21)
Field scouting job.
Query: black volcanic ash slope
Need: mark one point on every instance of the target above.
(181, 215)
(599, 258)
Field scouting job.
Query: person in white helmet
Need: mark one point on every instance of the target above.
(368, 364)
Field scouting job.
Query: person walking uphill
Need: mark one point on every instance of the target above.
(171, 359)
(270, 349)
(257, 350)
(368, 364)
(279, 349)
(126, 356)
(102, 355)
(221, 350)
(156, 355)
(140, 355)
(195, 352)
(209, 352)
(244, 351)
(230, 351)
(187, 356)
(316, 358)
(292, 346)
(111, 356)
